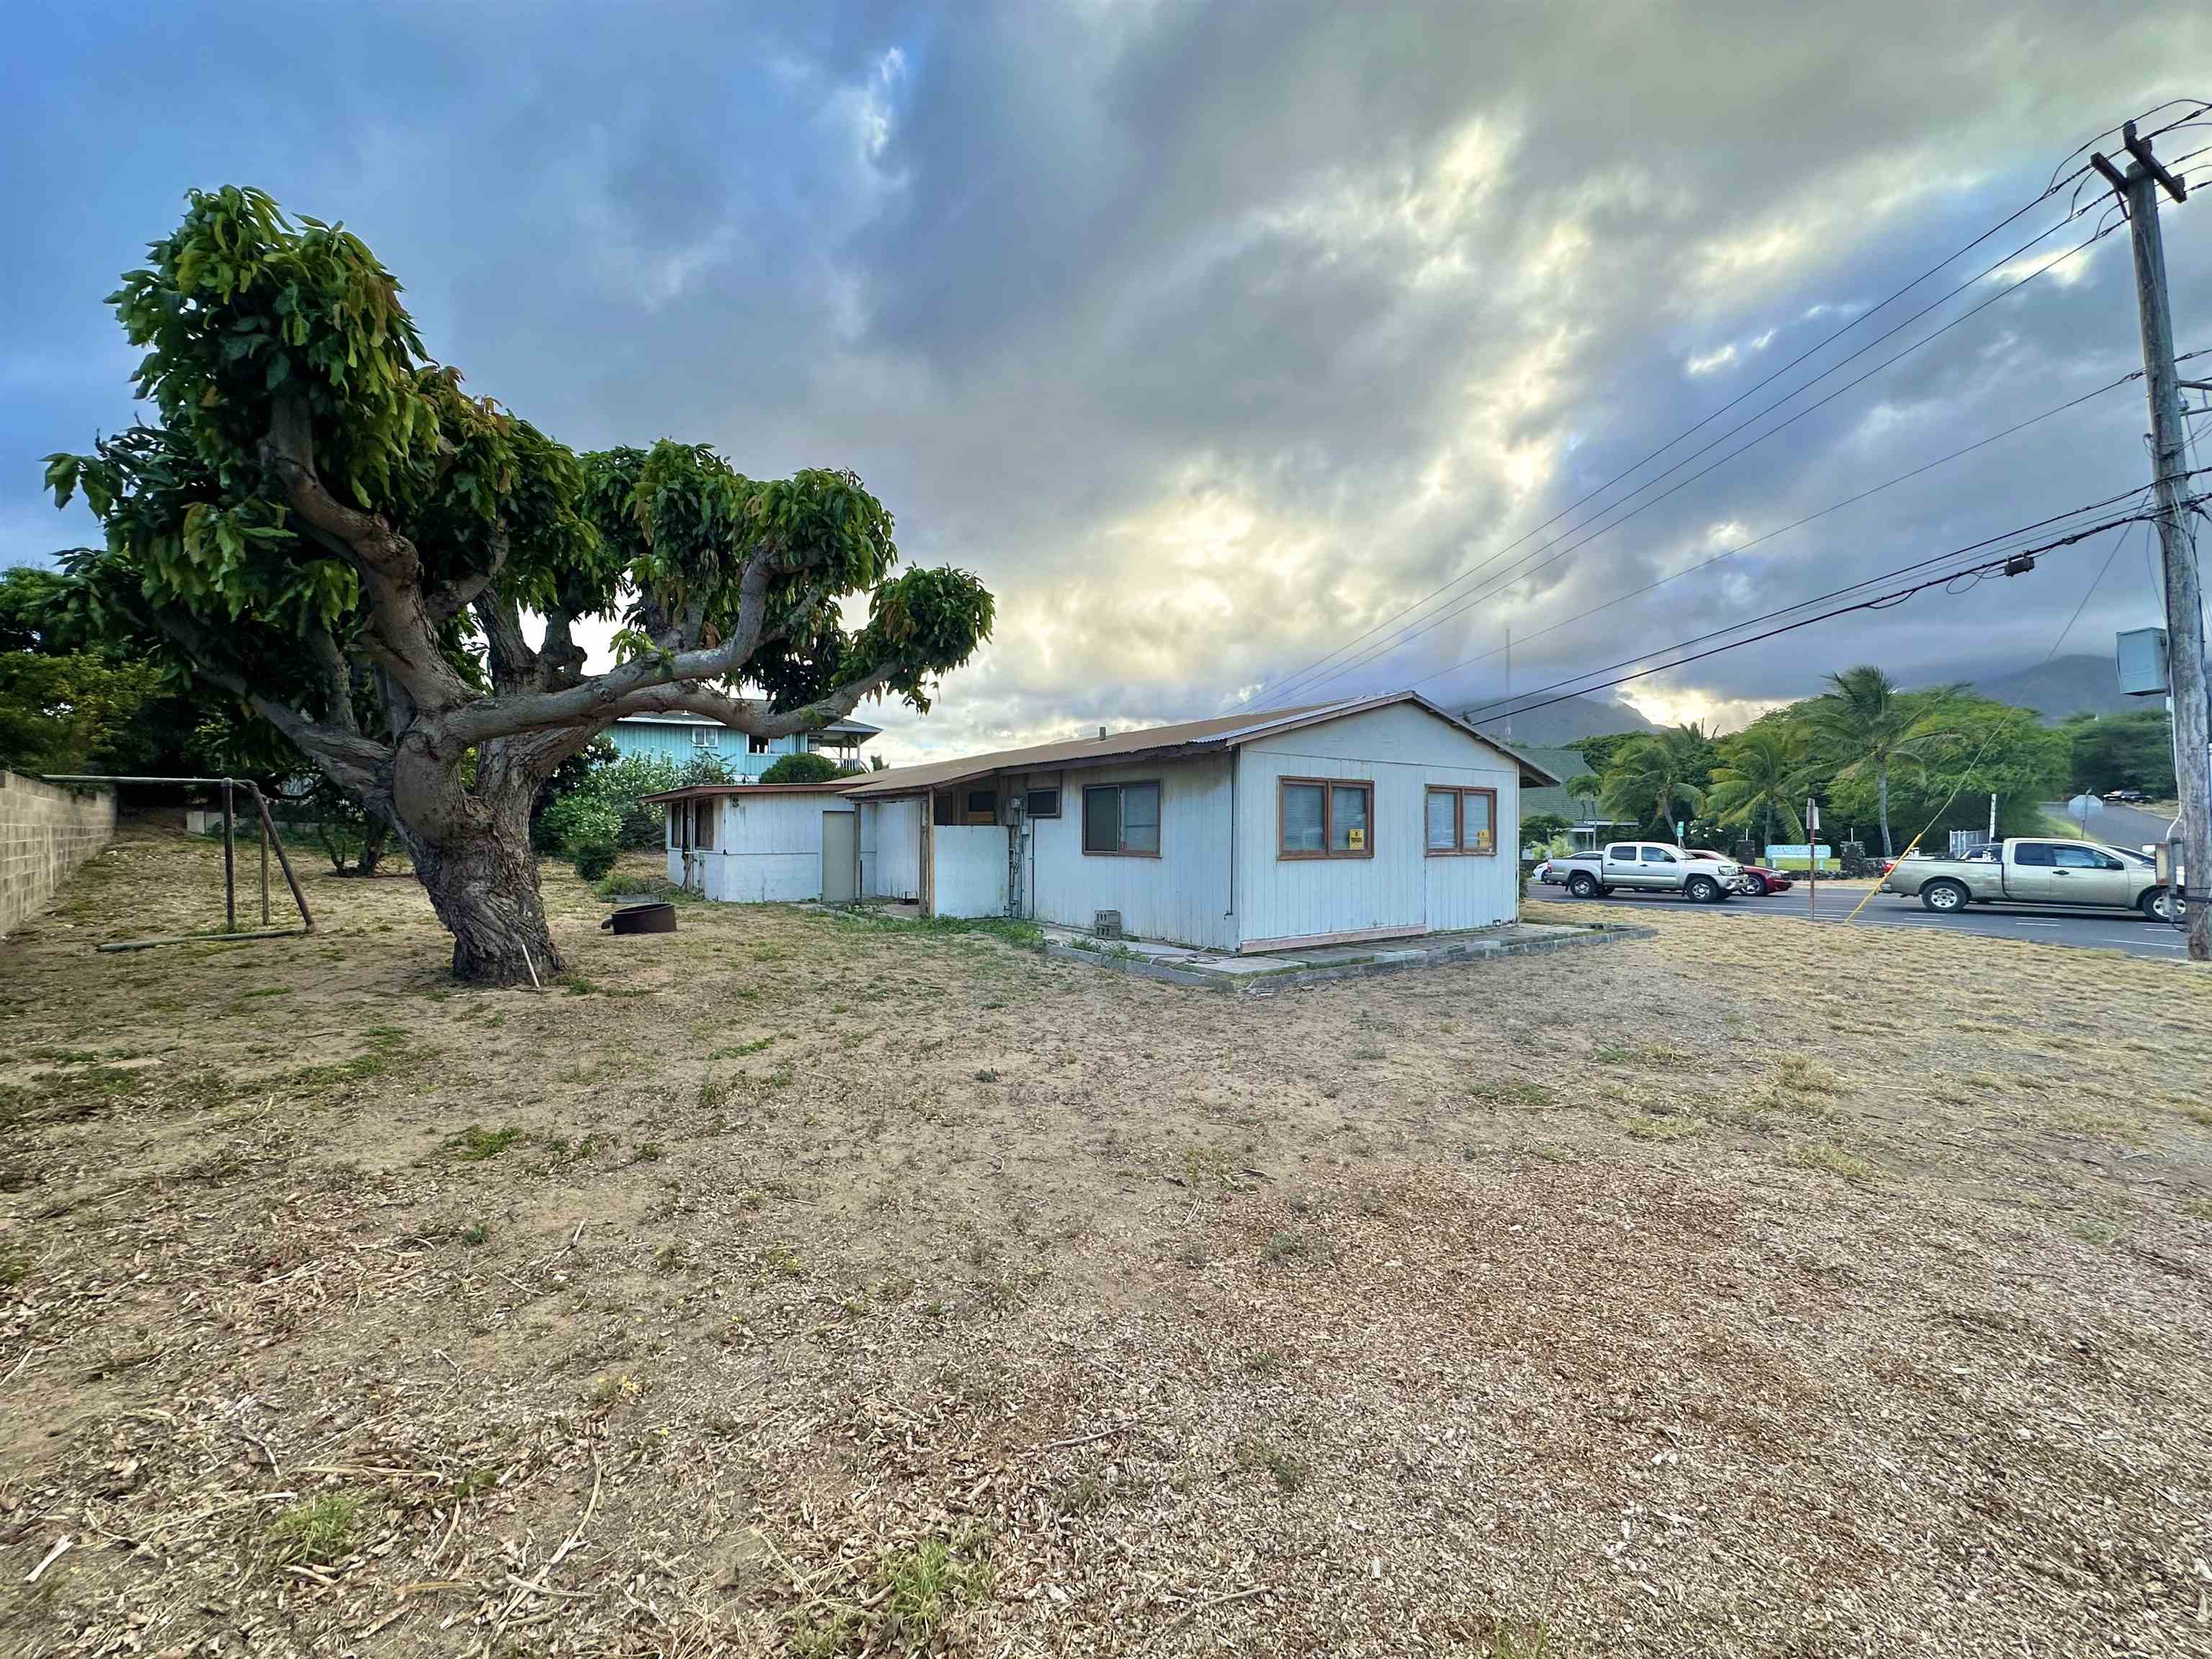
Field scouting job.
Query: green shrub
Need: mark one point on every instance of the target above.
(801, 769)
(594, 857)
(574, 819)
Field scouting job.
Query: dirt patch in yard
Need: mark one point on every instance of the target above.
(800, 1284)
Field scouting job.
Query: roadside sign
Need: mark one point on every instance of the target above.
(2085, 807)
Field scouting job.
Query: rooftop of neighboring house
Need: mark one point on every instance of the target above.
(848, 728)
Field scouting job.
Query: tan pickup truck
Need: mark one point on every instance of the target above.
(2079, 874)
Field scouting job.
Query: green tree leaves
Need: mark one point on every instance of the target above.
(800, 769)
(1657, 777)
(1763, 774)
(323, 525)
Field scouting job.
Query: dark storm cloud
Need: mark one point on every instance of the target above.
(1211, 336)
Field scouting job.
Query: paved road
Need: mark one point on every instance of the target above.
(2090, 930)
(2117, 825)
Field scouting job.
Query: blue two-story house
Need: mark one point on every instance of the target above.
(679, 737)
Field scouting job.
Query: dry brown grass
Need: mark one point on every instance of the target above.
(1743, 1290)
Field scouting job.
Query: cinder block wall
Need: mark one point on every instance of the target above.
(44, 834)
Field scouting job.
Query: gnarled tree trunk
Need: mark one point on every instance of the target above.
(482, 883)
(471, 852)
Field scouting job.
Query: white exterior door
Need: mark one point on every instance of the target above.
(841, 857)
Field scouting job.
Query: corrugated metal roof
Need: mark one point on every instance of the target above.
(1220, 731)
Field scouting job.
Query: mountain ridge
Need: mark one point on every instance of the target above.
(1569, 721)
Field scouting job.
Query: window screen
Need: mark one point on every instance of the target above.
(1042, 803)
(1444, 821)
(1102, 820)
(1347, 819)
(1477, 810)
(1302, 807)
(1141, 817)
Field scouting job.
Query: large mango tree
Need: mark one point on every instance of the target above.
(321, 528)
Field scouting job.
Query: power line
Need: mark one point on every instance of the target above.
(1797, 524)
(2202, 106)
(1990, 738)
(1986, 548)
(1460, 607)
(1883, 601)
(2196, 107)
(1749, 391)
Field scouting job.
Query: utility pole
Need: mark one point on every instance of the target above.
(2139, 189)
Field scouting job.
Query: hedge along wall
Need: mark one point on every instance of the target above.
(44, 834)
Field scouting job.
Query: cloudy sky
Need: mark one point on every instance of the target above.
(1211, 337)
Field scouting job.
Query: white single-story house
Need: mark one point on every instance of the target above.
(1370, 818)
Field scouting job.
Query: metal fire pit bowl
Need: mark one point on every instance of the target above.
(658, 918)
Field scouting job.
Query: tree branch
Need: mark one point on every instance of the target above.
(598, 700)
(455, 596)
(513, 665)
(352, 761)
(401, 629)
(559, 659)
(337, 679)
(753, 715)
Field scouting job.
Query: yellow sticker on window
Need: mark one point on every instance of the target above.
(1358, 839)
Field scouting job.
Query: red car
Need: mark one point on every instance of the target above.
(1756, 880)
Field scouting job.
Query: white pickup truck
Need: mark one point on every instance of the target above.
(1649, 866)
(2036, 870)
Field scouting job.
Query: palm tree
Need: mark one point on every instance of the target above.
(1864, 725)
(1653, 774)
(1763, 773)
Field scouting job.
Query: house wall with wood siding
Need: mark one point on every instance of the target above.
(1401, 750)
(1180, 895)
(766, 848)
(968, 870)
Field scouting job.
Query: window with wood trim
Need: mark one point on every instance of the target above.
(1461, 821)
(703, 838)
(1325, 818)
(1121, 820)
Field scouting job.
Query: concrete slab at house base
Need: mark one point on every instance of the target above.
(1178, 964)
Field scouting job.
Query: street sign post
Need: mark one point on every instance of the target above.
(2085, 807)
(1812, 859)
